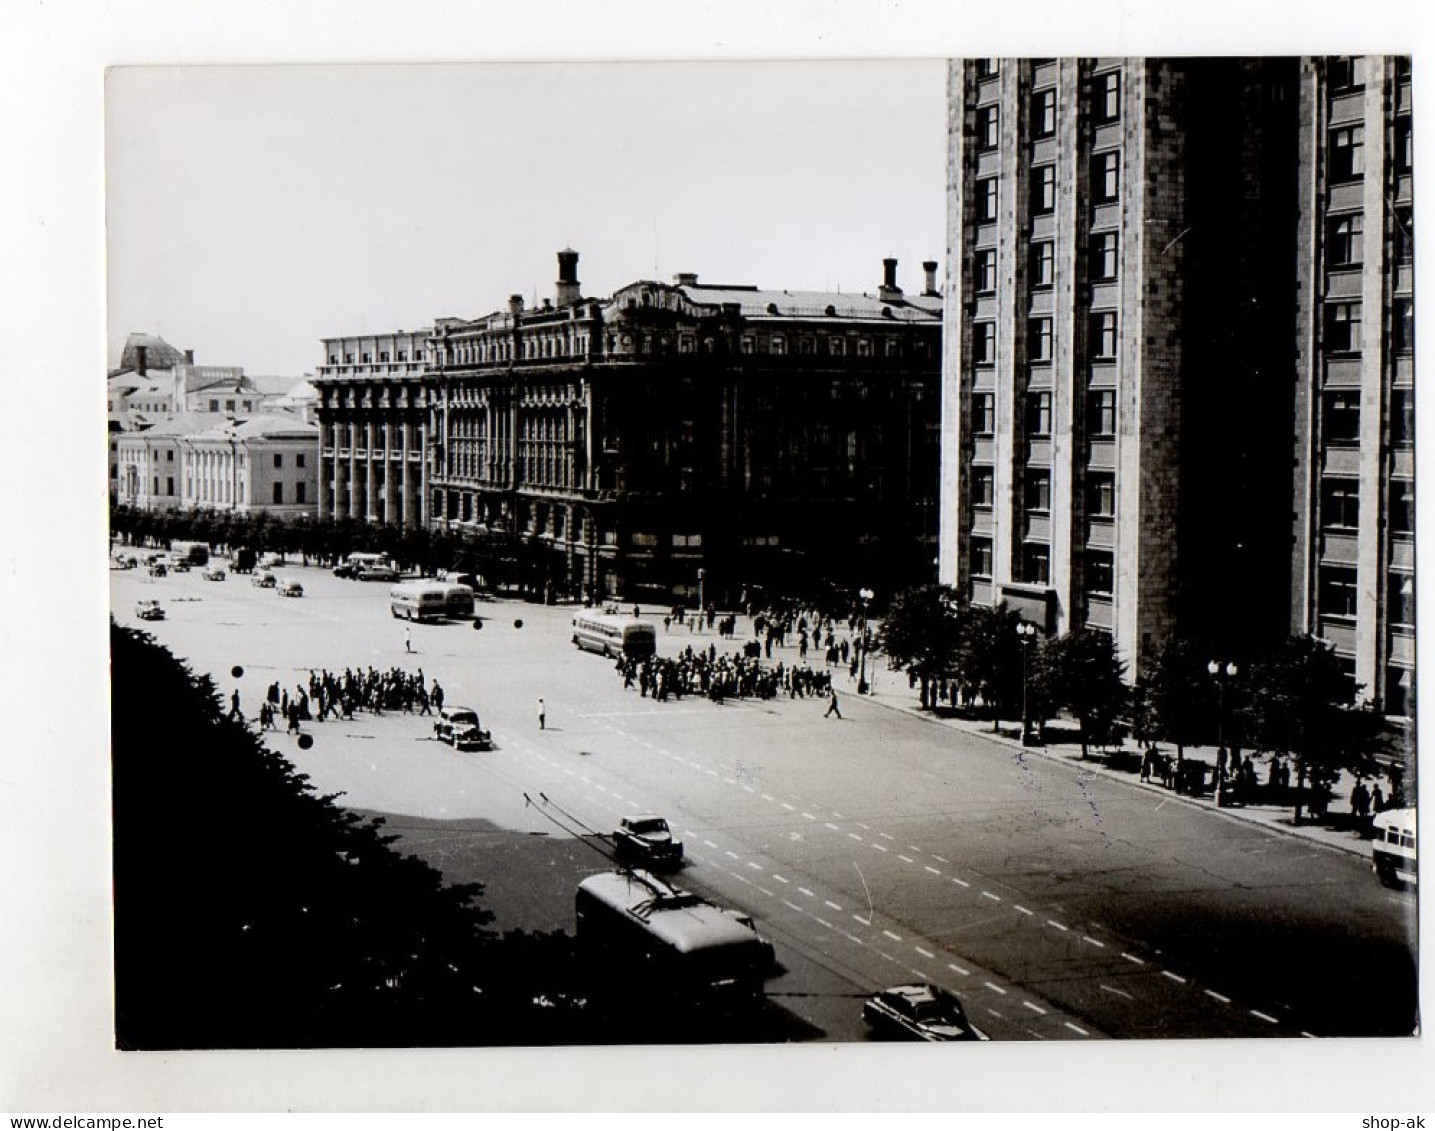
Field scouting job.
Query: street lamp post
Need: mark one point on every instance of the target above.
(702, 573)
(1026, 634)
(866, 596)
(1222, 674)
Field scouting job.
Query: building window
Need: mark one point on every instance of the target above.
(1404, 235)
(1402, 506)
(1106, 177)
(367, 358)
(1346, 72)
(333, 359)
(278, 459)
(1104, 261)
(986, 68)
(1043, 190)
(1038, 491)
(984, 413)
(1340, 504)
(981, 557)
(984, 342)
(1403, 313)
(169, 485)
(864, 347)
(1342, 417)
(1404, 146)
(348, 359)
(1043, 263)
(384, 356)
(1347, 240)
(1108, 97)
(1039, 339)
(837, 347)
(779, 344)
(1402, 600)
(1038, 413)
(983, 487)
(1043, 112)
(1036, 564)
(403, 355)
(214, 406)
(987, 198)
(1402, 416)
(986, 270)
(1342, 327)
(1100, 572)
(1347, 153)
(278, 492)
(988, 133)
(1103, 335)
(299, 492)
(1338, 591)
(299, 459)
(1101, 496)
(1101, 412)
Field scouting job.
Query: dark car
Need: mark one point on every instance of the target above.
(264, 579)
(919, 1012)
(149, 610)
(214, 573)
(460, 728)
(647, 840)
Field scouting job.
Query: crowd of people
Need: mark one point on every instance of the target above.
(717, 677)
(341, 694)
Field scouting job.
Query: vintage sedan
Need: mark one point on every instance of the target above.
(149, 610)
(460, 728)
(919, 1012)
(290, 588)
(214, 573)
(264, 579)
(647, 840)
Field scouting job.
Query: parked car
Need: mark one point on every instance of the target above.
(270, 560)
(377, 572)
(149, 610)
(290, 588)
(158, 569)
(214, 573)
(180, 565)
(647, 840)
(264, 580)
(919, 1012)
(125, 561)
(460, 728)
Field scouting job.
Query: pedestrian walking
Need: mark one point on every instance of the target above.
(234, 711)
(832, 706)
(542, 716)
(408, 639)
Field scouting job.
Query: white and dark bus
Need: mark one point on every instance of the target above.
(612, 635)
(1393, 848)
(419, 600)
(634, 928)
(195, 553)
(459, 599)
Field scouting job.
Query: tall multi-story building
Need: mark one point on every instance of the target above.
(1353, 562)
(690, 439)
(1155, 267)
(372, 406)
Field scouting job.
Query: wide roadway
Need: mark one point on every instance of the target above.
(872, 850)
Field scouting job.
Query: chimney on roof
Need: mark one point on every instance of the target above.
(515, 305)
(568, 292)
(141, 360)
(889, 291)
(930, 267)
(189, 357)
(686, 278)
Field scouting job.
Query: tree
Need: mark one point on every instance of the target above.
(922, 633)
(990, 658)
(1174, 700)
(1302, 704)
(1081, 672)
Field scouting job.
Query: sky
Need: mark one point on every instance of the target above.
(253, 210)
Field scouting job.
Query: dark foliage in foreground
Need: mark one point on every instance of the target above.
(250, 912)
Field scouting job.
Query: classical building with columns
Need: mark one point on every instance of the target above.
(372, 408)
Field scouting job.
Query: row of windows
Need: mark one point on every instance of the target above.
(1105, 187)
(1340, 593)
(1106, 108)
(1341, 416)
(1345, 238)
(1100, 413)
(1340, 505)
(1040, 339)
(1103, 264)
(367, 359)
(1346, 158)
(1343, 326)
(1100, 565)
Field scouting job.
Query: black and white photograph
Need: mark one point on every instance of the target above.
(729, 557)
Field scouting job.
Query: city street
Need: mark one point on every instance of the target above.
(872, 850)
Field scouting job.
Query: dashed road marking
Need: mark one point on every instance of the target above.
(1034, 1008)
(1174, 977)
(960, 970)
(824, 922)
(749, 789)
(1058, 926)
(853, 938)
(765, 891)
(892, 935)
(993, 986)
(886, 836)
(834, 906)
(1020, 908)
(780, 879)
(879, 847)
(785, 805)
(864, 922)
(831, 826)
(1092, 941)
(791, 905)
(940, 859)
(1222, 998)
(743, 878)
(929, 868)
(854, 836)
(1264, 1016)
(1133, 958)
(809, 816)
(924, 953)
(1077, 1029)
(887, 956)
(729, 852)
(914, 848)
(994, 898)
(962, 882)
(809, 894)
(767, 797)
(906, 859)
(1303, 1033)
(754, 865)
(1118, 993)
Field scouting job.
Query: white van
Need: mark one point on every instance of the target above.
(419, 600)
(1393, 849)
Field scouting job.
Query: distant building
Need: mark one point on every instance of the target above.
(265, 463)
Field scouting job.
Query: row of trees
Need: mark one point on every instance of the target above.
(503, 560)
(1295, 700)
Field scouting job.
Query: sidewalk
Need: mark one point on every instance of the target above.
(1277, 818)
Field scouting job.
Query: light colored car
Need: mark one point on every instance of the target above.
(919, 1012)
(377, 572)
(647, 840)
(149, 610)
(264, 579)
(290, 588)
(460, 728)
(214, 573)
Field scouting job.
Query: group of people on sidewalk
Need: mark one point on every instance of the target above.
(341, 694)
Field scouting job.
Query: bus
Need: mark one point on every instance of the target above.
(613, 635)
(1393, 850)
(419, 600)
(459, 599)
(191, 553)
(674, 943)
